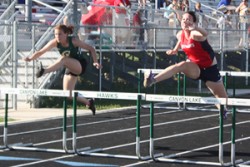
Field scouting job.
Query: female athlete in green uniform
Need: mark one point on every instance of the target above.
(71, 59)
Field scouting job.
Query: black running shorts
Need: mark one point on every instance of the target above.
(83, 63)
(210, 74)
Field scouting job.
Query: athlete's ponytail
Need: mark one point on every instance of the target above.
(66, 29)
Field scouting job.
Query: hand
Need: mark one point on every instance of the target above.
(171, 52)
(27, 59)
(97, 65)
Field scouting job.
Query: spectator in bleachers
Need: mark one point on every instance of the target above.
(197, 8)
(71, 59)
(198, 11)
(243, 12)
(223, 3)
(184, 5)
(160, 3)
(172, 13)
(142, 3)
(137, 22)
(121, 11)
(226, 20)
(170, 9)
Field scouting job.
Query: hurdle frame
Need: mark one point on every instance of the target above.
(117, 96)
(201, 100)
(37, 92)
(224, 74)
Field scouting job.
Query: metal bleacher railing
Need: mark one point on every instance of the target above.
(151, 36)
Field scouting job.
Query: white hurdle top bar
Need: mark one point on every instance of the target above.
(35, 92)
(63, 93)
(128, 96)
(222, 73)
(198, 100)
(111, 95)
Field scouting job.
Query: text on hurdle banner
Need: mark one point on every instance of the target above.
(35, 92)
(111, 95)
(198, 100)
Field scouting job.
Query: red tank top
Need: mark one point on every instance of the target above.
(199, 52)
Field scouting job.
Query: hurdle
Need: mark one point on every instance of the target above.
(225, 74)
(117, 96)
(36, 92)
(197, 100)
(234, 74)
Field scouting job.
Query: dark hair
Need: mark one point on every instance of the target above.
(192, 13)
(66, 29)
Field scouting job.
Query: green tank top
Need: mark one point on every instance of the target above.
(70, 51)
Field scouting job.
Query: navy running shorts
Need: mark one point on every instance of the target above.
(83, 63)
(210, 74)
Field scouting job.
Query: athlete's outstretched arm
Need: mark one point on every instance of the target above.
(177, 46)
(40, 52)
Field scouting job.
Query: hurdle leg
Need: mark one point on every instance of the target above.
(221, 136)
(184, 91)
(64, 143)
(74, 126)
(5, 138)
(179, 88)
(64, 134)
(151, 140)
(233, 137)
(138, 129)
(5, 132)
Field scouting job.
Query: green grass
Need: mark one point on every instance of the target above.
(2, 119)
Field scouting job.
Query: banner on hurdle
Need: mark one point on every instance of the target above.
(186, 99)
(110, 95)
(198, 100)
(235, 73)
(35, 92)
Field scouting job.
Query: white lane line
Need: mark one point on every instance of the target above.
(186, 152)
(175, 135)
(108, 148)
(85, 124)
(45, 160)
(129, 129)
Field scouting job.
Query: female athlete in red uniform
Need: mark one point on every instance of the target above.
(201, 62)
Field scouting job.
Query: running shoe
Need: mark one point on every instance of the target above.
(91, 106)
(225, 112)
(148, 79)
(40, 71)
